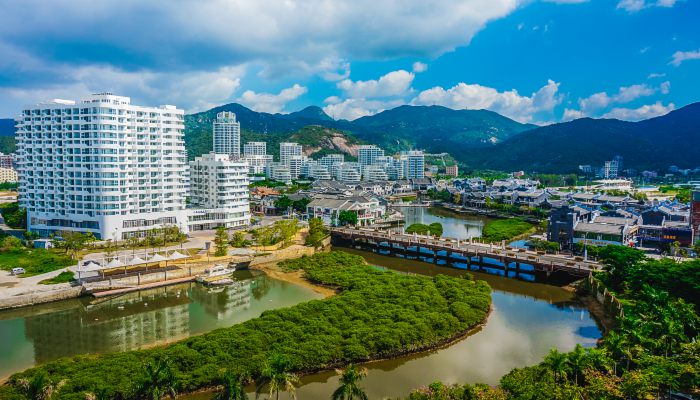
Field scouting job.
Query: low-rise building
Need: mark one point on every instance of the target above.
(8, 175)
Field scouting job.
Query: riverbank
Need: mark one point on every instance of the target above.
(273, 270)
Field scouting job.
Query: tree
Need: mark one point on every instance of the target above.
(301, 204)
(283, 203)
(557, 363)
(238, 240)
(73, 241)
(346, 217)
(275, 376)
(349, 388)
(317, 232)
(221, 242)
(286, 229)
(233, 387)
(158, 381)
(39, 387)
(621, 262)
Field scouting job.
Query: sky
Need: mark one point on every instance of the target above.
(536, 61)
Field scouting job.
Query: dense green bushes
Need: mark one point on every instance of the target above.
(13, 254)
(434, 229)
(14, 216)
(376, 314)
(505, 229)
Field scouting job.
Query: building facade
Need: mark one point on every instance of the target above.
(227, 135)
(695, 215)
(102, 165)
(413, 164)
(255, 149)
(8, 175)
(367, 154)
(219, 192)
(289, 150)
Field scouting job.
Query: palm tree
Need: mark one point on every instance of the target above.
(557, 363)
(276, 376)
(39, 387)
(158, 380)
(233, 387)
(349, 389)
(577, 361)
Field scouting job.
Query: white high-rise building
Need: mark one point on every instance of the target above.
(102, 165)
(374, 173)
(287, 150)
(255, 149)
(278, 172)
(413, 164)
(219, 192)
(227, 135)
(348, 172)
(295, 164)
(257, 163)
(368, 153)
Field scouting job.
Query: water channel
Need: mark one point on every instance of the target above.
(527, 320)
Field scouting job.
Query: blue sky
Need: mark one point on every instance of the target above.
(534, 61)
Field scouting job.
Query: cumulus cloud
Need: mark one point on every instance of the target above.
(643, 112)
(194, 91)
(595, 103)
(509, 103)
(637, 5)
(395, 83)
(269, 102)
(680, 56)
(419, 67)
(351, 109)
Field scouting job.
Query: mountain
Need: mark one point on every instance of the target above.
(7, 135)
(433, 128)
(436, 129)
(653, 144)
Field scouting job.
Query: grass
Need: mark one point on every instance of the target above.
(34, 261)
(506, 229)
(63, 277)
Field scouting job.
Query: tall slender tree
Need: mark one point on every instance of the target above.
(349, 388)
(233, 387)
(275, 376)
(158, 381)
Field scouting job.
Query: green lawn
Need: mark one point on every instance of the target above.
(505, 229)
(63, 277)
(34, 261)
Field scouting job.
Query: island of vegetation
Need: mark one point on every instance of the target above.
(434, 229)
(376, 314)
(652, 353)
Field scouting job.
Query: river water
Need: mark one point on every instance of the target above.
(527, 320)
(454, 225)
(35, 335)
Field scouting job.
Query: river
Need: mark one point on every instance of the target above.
(527, 320)
(45, 332)
(454, 225)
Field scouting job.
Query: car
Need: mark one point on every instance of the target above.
(18, 271)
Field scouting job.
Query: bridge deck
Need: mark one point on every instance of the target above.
(541, 262)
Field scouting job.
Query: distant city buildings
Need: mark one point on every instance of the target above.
(289, 150)
(367, 154)
(695, 215)
(255, 149)
(413, 164)
(452, 170)
(7, 161)
(227, 135)
(255, 154)
(8, 175)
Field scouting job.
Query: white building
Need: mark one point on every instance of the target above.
(7, 161)
(330, 160)
(348, 173)
(257, 163)
(374, 173)
(413, 164)
(367, 154)
(295, 164)
(219, 192)
(278, 172)
(227, 135)
(8, 175)
(255, 149)
(102, 165)
(288, 150)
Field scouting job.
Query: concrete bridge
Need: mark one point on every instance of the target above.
(463, 251)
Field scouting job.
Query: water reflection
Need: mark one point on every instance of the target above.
(454, 225)
(136, 320)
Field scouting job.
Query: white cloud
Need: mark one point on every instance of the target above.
(566, 1)
(594, 103)
(351, 109)
(269, 102)
(395, 83)
(570, 114)
(643, 112)
(419, 67)
(656, 75)
(637, 5)
(680, 56)
(509, 103)
(193, 91)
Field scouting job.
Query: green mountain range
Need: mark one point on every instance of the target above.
(654, 144)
